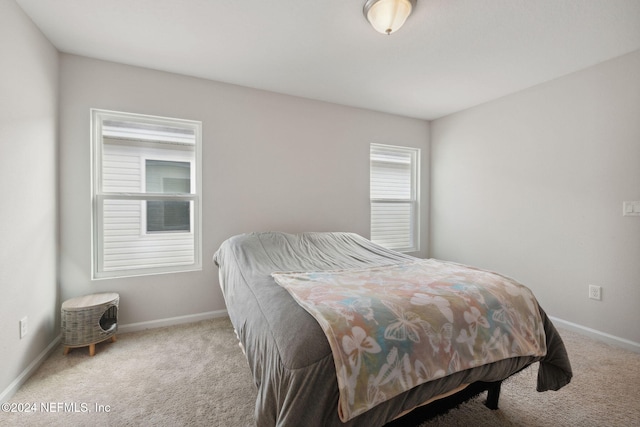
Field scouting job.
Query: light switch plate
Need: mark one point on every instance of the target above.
(631, 208)
(24, 327)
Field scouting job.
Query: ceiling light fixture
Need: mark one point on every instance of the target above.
(387, 16)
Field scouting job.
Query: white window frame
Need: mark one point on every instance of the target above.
(413, 201)
(98, 196)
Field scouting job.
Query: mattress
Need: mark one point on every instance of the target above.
(288, 353)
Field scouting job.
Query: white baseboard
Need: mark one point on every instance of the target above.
(160, 323)
(139, 326)
(598, 335)
(131, 327)
(28, 371)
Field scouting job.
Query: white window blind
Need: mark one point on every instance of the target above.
(146, 194)
(394, 197)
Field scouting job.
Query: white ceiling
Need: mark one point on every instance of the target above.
(449, 56)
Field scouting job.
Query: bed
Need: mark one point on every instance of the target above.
(292, 353)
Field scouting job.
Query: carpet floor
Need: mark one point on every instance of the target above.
(196, 375)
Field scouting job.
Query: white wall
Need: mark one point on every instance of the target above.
(270, 162)
(532, 185)
(28, 208)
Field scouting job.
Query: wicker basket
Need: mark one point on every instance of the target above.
(89, 319)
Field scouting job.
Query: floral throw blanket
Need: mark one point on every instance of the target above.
(394, 327)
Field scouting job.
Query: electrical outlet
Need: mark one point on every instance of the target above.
(595, 292)
(630, 208)
(24, 327)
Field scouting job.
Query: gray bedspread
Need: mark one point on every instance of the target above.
(287, 351)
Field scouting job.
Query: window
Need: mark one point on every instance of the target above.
(164, 176)
(394, 197)
(146, 194)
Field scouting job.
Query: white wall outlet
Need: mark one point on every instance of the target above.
(24, 327)
(631, 208)
(595, 292)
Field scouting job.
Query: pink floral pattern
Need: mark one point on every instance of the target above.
(394, 327)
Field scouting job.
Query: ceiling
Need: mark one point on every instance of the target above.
(449, 56)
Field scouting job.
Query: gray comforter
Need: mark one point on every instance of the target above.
(287, 351)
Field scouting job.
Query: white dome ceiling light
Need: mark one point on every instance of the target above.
(387, 16)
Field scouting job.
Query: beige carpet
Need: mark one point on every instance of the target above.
(195, 374)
